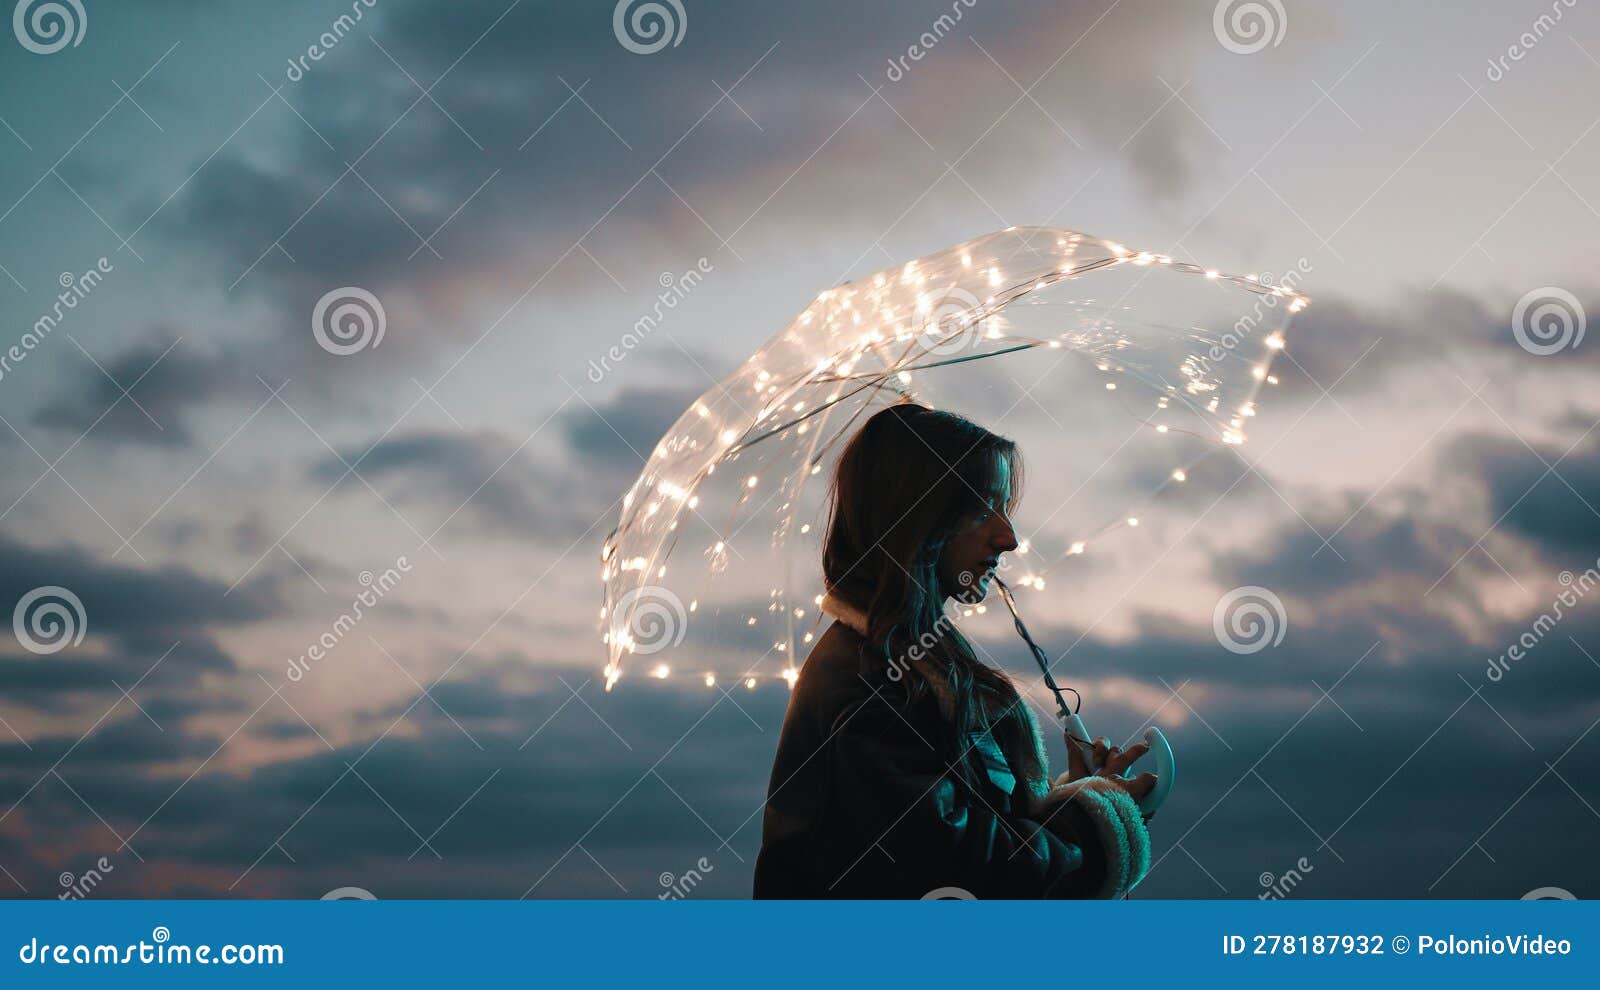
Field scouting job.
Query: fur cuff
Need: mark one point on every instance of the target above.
(1119, 827)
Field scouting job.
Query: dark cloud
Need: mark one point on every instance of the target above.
(129, 603)
(1444, 332)
(161, 393)
(619, 435)
(507, 114)
(1546, 494)
(686, 770)
(480, 479)
(141, 625)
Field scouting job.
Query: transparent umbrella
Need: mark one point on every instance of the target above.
(1117, 370)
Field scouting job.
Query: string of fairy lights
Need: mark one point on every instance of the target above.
(850, 324)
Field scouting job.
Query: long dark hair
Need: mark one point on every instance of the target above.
(907, 482)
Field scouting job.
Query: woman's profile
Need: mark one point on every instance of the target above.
(907, 765)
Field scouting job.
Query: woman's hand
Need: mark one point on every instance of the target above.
(1113, 760)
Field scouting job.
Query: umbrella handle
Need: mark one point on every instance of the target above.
(1078, 738)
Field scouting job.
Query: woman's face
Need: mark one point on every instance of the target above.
(971, 555)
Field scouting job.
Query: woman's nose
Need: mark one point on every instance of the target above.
(1006, 537)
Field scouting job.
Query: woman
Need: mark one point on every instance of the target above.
(907, 766)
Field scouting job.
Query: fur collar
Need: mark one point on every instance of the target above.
(1036, 778)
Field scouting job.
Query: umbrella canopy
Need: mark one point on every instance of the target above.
(1117, 370)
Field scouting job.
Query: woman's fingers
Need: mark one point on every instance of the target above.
(1122, 759)
(1102, 749)
(1139, 787)
(1075, 767)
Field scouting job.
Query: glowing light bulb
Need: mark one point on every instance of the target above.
(791, 675)
(711, 680)
(750, 683)
(1179, 474)
(1076, 548)
(660, 671)
(751, 481)
(1133, 520)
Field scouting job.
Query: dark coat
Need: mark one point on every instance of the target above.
(865, 801)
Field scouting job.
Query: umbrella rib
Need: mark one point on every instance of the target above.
(877, 379)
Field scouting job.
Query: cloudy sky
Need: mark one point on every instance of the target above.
(182, 184)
